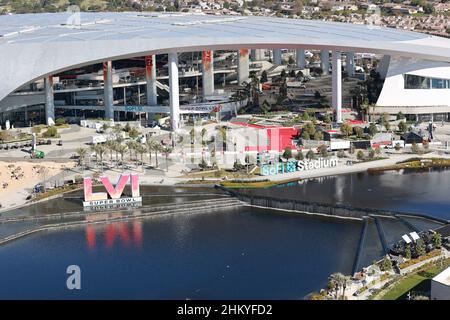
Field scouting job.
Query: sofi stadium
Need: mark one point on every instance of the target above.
(115, 65)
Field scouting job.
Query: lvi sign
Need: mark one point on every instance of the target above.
(92, 199)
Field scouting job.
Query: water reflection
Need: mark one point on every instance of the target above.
(125, 233)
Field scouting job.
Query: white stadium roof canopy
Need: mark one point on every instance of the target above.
(36, 45)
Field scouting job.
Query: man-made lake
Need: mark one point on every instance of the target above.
(245, 253)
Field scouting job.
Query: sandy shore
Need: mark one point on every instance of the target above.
(18, 178)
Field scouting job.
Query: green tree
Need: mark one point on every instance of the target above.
(437, 240)
(346, 129)
(371, 153)
(318, 135)
(291, 60)
(134, 133)
(131, 146)
(334, 283)
(140, 150)
(305, 135)
(122, 149)
(265, 107)
(81, 152)
(264, 76)
(310, 128)
(402, 127)
(310, 155)
(287, 154)
(386, 264)
(373, 129)
(400, 116)
(60, 121)
(166, 150)
(299, 155)
(358, 131)
(360, 155)
(408, 252)
(149, 144)
(323, 150)
(420, 247)
(51, 132)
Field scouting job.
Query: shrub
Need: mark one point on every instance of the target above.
(310, 154)
(287, 154)
(360, 155)
(36, 129)
(323, 150)
(60, 121)
(386, 264)
(51, 132)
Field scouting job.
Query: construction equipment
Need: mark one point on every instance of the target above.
(36, 154)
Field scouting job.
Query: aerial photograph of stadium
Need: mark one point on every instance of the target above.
(224, 150)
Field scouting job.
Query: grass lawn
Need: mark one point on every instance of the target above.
(419, 282)
(406, 285)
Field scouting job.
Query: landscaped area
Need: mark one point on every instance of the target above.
(417, 283)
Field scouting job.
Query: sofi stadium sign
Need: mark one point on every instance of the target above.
(300, 165)
(101, 199)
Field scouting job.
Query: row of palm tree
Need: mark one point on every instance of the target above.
(135, 149)
(338, 282)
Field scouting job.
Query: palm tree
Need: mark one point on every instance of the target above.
(150, 145)
(110, 144)
(335, 282)
(95, 150)
(131, 146)
(223, 133)
(121, 149)
(81, 155)
(203, 134)
(345, 281)
(157, 147)
(117, 129)
(166, 150)
(101, 149)
(140, 149)
(254, 89)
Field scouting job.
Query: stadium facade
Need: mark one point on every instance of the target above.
(36, 47)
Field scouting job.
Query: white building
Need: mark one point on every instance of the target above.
(418, 88)
(440, 286)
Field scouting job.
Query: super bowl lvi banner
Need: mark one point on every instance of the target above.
(114, 192)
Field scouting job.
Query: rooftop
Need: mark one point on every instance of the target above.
(443, 277)
(49, 27)
(37, 45)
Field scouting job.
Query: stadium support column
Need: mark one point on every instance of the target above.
(150, 78)
(207, 73)
(350, 64)
(243, 66)
(174, 91)
(257, 54)
(49, 101)
(325, 61)
(301, 60)
(277, 57)
(108, 90)
(336, 84)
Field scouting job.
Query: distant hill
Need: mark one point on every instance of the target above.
(34, 6)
